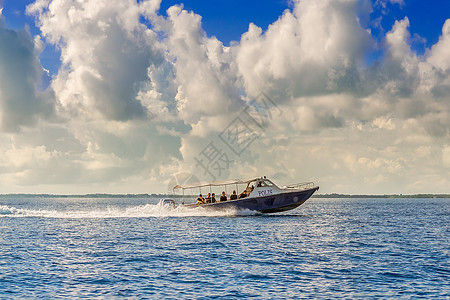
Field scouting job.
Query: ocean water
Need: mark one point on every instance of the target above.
(138, 249)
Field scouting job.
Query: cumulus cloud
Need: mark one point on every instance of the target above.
(446, 156)
(316, 49)
(112, 88)
(21, 103)
(311, 60)
(205, 72)
(141, 101)
(383, 3)
(438, 56)
(105, 51)
(309, 53)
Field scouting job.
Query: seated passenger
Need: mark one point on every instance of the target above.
(213, 198)
(223, 197)
(233, 196)
(200, 199)
(250, 190)
(208, 199)
(243, 195)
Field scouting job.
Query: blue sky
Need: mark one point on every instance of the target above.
(228, 20)
(361, 91)
(426, 19)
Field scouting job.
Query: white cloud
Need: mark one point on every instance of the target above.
(313, 50)
(26, 157)
(21, 104)
(106, 54)
(439, 57)
(446, 156)
(384, 123)
(139, 104)
(384, 3)
(205, 72)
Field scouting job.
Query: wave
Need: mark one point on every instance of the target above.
(159, 210)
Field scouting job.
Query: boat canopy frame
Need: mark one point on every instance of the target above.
(302, 185)
(217, 183)
(223, 183)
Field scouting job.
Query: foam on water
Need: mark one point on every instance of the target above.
(136, 249)
(140, 211)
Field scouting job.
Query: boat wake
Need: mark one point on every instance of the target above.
(159, 210)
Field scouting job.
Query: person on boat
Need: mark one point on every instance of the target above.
(223, 197)
(233, 196)
(243, 195)
(213, 198)
(208, 199)
(200, 199)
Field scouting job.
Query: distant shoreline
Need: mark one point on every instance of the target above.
(100, 195)
(382, 196)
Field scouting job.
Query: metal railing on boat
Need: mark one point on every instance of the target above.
(299, 186)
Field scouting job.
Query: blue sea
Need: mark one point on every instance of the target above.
(138, 249)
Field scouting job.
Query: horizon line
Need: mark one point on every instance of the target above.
(146, 195)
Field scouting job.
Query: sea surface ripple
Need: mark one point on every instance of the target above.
(136, 248)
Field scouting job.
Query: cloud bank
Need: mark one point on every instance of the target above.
(139, 95)
(21, 104)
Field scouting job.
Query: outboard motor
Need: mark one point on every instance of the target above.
(170, 203)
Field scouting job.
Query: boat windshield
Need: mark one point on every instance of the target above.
(252, 183)
(250, 186)
(264, 183)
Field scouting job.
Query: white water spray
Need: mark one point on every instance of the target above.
(159, 210)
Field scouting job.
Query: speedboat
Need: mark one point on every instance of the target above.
(260, 194)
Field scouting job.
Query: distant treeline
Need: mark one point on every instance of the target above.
(382, 196)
